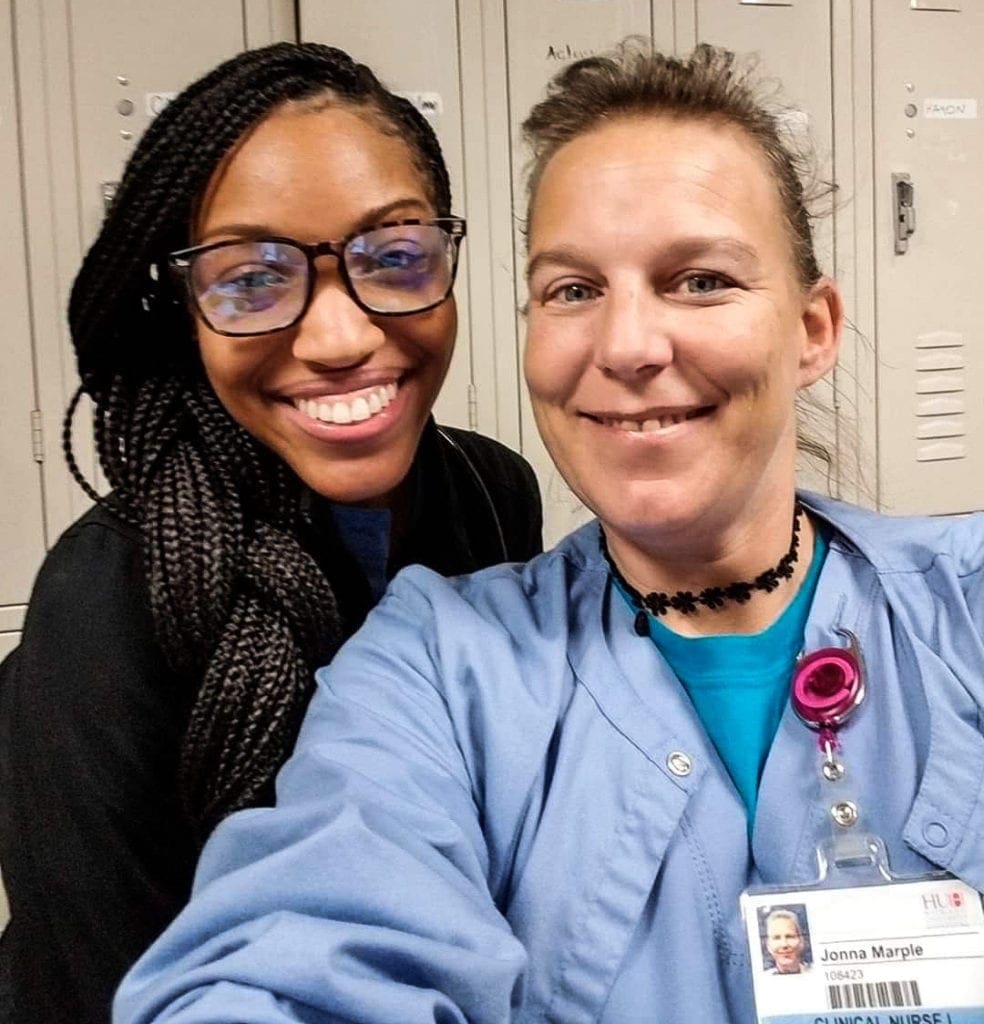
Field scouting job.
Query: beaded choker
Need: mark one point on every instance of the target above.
(688, 603)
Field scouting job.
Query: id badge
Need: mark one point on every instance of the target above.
(900, 952)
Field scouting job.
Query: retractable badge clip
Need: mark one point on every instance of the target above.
(828, 687)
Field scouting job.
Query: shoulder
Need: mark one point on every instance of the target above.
(89, 617)
(896, 544)
(98, 559)
(484, 655)
(518, 598)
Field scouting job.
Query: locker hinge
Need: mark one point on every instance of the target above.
(472, 407)
(37, 436)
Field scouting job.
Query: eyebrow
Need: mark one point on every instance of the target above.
(680, 250)
(369, 219)
(567, 256)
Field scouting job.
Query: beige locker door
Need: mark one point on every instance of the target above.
(21, 510)
(128, 57)
(413, 48)
(791, 40)
(928, 98)
(91, 74)
(543, 36)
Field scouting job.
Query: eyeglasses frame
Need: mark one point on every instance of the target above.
(180, 262)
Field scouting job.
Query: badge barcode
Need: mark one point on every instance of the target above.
(862, 995)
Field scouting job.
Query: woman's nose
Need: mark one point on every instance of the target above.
(335, 331)
(634, 339)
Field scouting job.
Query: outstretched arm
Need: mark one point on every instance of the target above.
(363, 895)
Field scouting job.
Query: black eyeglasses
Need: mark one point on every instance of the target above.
(261, 285)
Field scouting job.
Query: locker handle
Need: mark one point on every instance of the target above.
(904, 209)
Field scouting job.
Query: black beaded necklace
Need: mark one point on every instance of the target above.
(687, 603)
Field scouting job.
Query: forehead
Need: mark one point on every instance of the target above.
(783, 924)
(646, 173)
(312, 172)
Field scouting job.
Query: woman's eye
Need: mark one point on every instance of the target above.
(400, 259)
(247, 289)
(571, 294)
(406, 259)
(705, 283)
(252, 280)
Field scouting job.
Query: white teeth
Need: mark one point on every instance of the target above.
(343, 410)
(652, 426)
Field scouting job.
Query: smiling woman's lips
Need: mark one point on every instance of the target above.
(350, 418)
(648, 422)
(348, 408)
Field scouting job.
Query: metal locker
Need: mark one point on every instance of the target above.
(542, 38)
(22, 512)
(90, 75)
(428, 73)
(793, 41)
(928, 150)
(124, 71)
(790, 43)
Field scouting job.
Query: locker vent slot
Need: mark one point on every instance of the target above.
(940, 385)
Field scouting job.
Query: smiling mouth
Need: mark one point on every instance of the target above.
(358, 409)
(654, 424)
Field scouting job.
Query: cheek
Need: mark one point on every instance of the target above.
(433, 332)
(758, 364)
(551, 360)
(231, 370)
(215, 360)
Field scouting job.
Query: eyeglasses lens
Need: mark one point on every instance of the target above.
(401, 268)
(250, 287)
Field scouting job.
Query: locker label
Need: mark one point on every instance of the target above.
(951, 110)
(567, 52)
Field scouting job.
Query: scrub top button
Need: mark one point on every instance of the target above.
(935, 833)
(679, 763)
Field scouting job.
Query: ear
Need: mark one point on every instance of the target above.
(823, 319)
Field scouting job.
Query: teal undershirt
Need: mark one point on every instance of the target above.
(739, 684)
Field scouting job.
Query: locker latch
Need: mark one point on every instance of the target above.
(904, 208)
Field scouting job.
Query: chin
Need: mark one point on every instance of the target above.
(641, 514)
(358, 484)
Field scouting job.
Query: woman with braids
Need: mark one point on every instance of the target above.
(537, 793)
(263, 325)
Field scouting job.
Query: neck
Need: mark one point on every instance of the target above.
(716, 558)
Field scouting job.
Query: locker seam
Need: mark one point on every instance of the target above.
(512, 210)
(36, 412)
(471, 389)
(875, 298)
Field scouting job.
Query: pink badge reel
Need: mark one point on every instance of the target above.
(828, 686)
